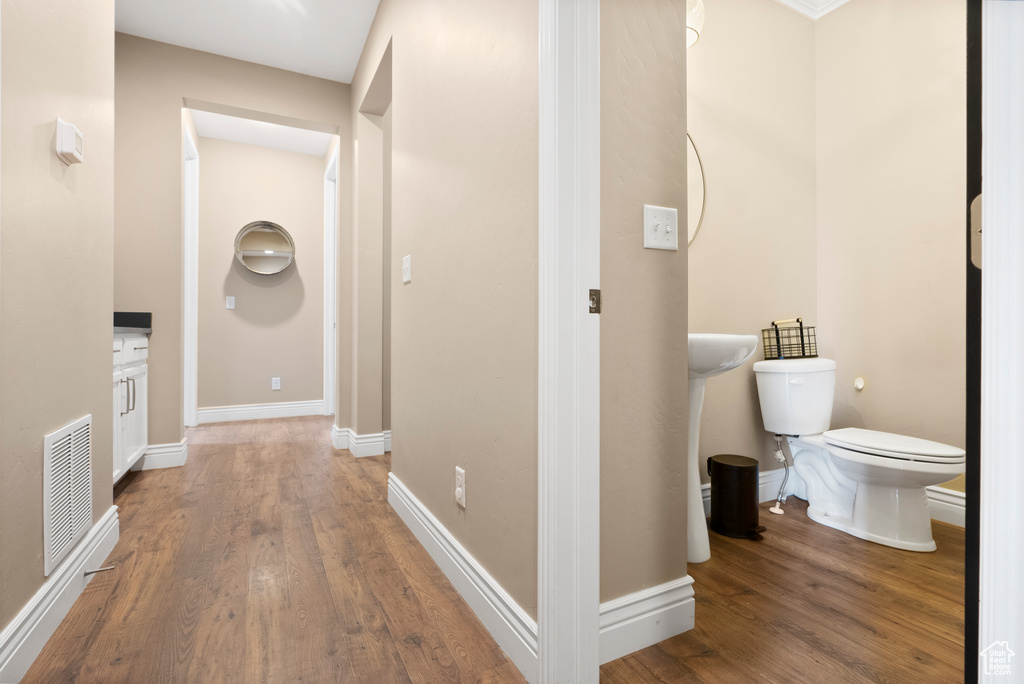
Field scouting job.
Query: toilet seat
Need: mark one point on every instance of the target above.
(893, 446)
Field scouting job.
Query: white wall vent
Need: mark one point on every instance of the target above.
(67, 489)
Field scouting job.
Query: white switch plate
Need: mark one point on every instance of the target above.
(407, 268)
(229, 302)
(661, 228)
(275, 383)
(460, 486)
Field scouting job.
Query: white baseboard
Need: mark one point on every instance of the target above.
(163, 456)
(767, 488)
(286, 409)
(23, 639)
(360, 445)
(643, 618)
(947, 505)
(628, 623)
(513, 629)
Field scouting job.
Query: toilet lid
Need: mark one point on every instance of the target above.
(893, 446)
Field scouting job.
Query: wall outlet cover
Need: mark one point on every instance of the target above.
(661, 228)
(407, 268)
(460, 486)
(275, 383)
(229, 302)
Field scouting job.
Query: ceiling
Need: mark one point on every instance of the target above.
(321, 38)
(815, 9)
(262, 133)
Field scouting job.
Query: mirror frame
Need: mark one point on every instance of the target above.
(704, 191)
(250, 227)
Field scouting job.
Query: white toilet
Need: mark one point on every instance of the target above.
(866, 483)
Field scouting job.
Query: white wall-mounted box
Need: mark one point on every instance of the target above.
(70, 143)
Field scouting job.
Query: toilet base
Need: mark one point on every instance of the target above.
(895, 516)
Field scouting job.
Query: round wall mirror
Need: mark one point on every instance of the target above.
(695, 190)
(264, 247)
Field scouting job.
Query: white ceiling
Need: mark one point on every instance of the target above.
(262, 133)
(815, 9)
(317, 37)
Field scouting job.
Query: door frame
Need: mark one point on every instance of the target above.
(568, 455)
(330, 282)
(1002, 326)
(190, 279)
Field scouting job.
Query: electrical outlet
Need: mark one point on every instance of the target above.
(275, 383)
(229, 302)
(407, 268)
(661, 228)
(460, 486)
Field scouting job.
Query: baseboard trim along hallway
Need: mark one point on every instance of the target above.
(361, 446)
(163, 456)
(628, 623)
(286, 409)
(23, 639)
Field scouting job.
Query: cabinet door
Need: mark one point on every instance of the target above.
(120, 406)
(134, 424)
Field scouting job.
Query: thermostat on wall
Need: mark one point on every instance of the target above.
(70, 143)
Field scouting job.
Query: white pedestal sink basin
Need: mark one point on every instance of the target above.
(709, 355)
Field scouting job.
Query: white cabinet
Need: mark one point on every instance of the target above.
(130, 394)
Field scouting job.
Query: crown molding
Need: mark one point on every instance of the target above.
(815, 9)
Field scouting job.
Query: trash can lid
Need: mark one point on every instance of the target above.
(734, 461)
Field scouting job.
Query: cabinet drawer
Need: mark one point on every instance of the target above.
(136, 350)
(118, 351)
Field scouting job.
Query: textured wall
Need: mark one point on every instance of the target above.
(643, 318)
(753, 261)
(464, 332)
(152, 80)
(276, 328)
(835, 177)
(891, 195)
(55, 262)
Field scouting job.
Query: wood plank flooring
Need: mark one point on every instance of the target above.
(269, 557)
(272, 558)
(811, 604)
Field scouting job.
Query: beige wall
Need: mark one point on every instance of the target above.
(55, 261)
(891, 141)
(385, 397)
(836, 176)
(643, 356)
(368, 255)
(464, 332)
(751, 116)
(276, 328)
(152, 79)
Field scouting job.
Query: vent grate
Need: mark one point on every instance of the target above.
(67, 489)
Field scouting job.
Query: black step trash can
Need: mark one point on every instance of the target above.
(734, 496)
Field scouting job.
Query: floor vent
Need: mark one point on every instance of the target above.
(67, 489)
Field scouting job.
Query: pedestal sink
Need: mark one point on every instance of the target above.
(709, 355)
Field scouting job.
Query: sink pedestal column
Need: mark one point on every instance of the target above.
(698, 547)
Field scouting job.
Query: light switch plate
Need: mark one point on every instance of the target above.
(275, 383)
(661, 228)
(407, 268)
(229, 302)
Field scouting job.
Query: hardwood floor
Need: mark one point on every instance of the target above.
(811, 604)
(270, 558)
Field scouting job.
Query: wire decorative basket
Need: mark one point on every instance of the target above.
(786, 341)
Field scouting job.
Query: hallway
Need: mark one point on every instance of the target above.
(269, 557)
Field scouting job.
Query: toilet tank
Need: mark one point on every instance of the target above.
(796, 395)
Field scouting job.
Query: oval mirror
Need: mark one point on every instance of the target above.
(264, 247)
(695, 190)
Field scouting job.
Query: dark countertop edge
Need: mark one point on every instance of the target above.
(147, 331)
